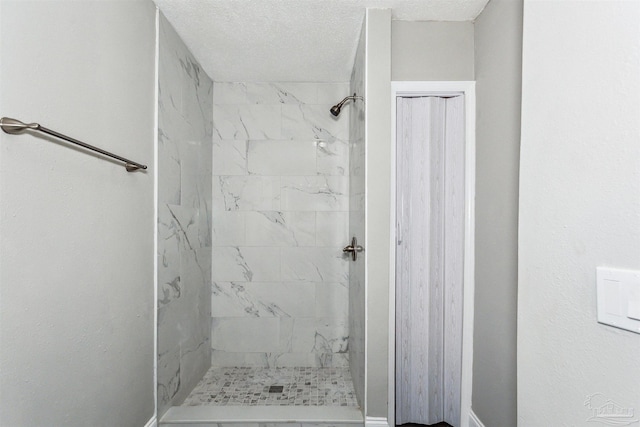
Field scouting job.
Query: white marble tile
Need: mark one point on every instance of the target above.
(230, 299)
(286, 336)
(204, 221)
(246, 193)
(262, 299)
(195, 273)
(332, 360)
(289, 360)
(205, 101)
(356, 225)
(333, 157)
(225, 93)
(169, 286)
(245, 264)
(190, 152)
(263, 359)
(314, 264)
(184, 218)
(284, 299)
(332, 93)
(195, 92)
(314, 193)
(247, 122)
(282, 161)
(192, 189)
(357, 205)
(332, 300)
(228, 228)
(168, 329)
(332, 335)
(205, 159)
(169, 184)
(195, 359)
(271, 228)
(245, 334)
(221, 358)
(304, 332)
(282, 93)
(282, 157)
(168, 376)
(332, 229)
(313, 122)
(230, 157)
(177, 227)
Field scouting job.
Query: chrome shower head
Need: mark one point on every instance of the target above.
(335, 110)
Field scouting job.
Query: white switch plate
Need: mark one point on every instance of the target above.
(619, 298)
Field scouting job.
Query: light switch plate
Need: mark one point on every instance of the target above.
(618, 294)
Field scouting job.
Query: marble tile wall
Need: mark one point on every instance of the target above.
(184, 219)
(280, 219)
(357, 225)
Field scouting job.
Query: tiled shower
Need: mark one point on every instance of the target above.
(184, 219)
(280, 218)
(254, 208)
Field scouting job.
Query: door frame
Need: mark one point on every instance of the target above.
(439, 88)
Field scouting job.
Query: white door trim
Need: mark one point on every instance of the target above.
(415, 88)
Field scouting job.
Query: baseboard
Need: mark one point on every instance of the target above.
(376, 422)
(153, 422)
(474, 421)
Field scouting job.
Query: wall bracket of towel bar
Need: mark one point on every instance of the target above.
(14, 126)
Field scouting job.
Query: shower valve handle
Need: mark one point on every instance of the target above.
(354, 248)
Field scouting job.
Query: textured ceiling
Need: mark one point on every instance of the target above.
(290, 40)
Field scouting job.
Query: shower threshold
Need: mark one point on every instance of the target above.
(253, 416)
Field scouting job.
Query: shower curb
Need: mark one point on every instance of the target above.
(253, 416)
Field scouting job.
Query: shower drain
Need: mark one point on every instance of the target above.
(276, 389)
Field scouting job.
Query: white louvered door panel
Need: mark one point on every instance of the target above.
(427, 159)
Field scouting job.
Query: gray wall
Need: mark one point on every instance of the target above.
(185, 114)
(498, 67)
(428, 50)
(489, 52)
(378, 204)
(76, 230)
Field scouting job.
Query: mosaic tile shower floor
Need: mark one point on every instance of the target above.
(253, 387)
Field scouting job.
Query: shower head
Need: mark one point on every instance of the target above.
(335, 110)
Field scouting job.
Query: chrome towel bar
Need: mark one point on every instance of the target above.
(14, 126)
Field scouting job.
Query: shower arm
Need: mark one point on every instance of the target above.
(335, 110)
(347, 98)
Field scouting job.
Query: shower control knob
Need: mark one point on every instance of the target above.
(354, 248)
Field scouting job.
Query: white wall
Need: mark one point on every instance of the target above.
(429, 50)
(579, 205)
(498, 69)
(76, 231)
